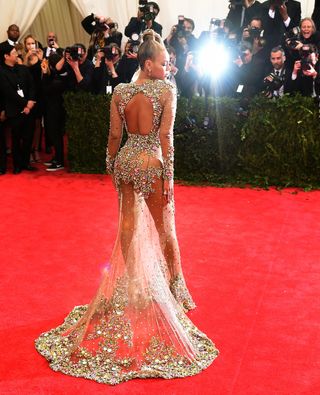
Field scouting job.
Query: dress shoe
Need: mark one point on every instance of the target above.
(16, 170)
(29, 168)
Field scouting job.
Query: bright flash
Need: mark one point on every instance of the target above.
(214, 59)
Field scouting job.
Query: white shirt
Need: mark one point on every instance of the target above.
(272, 14)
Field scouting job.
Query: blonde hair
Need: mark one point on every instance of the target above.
(152, 44)
(312, 23)
(26, 38)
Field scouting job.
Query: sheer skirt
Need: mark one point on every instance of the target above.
(135, 327)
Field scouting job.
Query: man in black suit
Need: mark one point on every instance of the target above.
(13, 33)
(144, 21)
(17, 89)
(278, 76)
(240, 16)
(52, 46)
(278, 17)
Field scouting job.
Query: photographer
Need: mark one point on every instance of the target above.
(145, 19)
(185, 27)
(78, 70)
(254, 34)
(298, 36)
(129, 64)
(241, 12)
(279, 16)
(53, 86)
(103, 31)
(105, 75)
(305, 75)
(277, 82)
(52, 46)
(248, 72)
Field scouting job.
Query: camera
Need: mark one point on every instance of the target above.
(305, 53)
(278, 3)
(148, 10)
(110, 52)
(75, 52)
(292, 37)
(51, 43)
(134, 43)
(275, 84)
(235, 3)
(180, 26)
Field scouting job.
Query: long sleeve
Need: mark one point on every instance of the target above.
(115, 134)
(166, 132)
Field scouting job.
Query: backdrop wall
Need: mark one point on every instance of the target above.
(63, 16)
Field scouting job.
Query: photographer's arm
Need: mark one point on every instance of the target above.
(134, 26)
(115, 133)
(60, 64)
(87, 23)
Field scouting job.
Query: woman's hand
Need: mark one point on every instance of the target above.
(167, 191)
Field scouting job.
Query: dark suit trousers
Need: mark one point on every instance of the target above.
(3, 148)
(54, 127)
(22, 136)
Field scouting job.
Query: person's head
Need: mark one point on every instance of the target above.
(8, 54)
(246, 52)
(51, 39)
(30, 43)
(277, 58)
(255, 23)
(188, 25)
(153, 57)
(307, 27)
(13, 33)
(156, 8)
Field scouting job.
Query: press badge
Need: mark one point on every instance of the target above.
(20, 92)
(240, 88)
(108, 89)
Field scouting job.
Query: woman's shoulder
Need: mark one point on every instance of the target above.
(166, 87)
(122, 88)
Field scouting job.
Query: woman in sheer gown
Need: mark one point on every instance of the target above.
(136, 325)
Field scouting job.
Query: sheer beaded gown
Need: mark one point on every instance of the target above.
(136, 325)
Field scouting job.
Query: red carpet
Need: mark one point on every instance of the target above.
(251, 259)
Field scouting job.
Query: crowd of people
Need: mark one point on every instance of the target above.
(258, 48)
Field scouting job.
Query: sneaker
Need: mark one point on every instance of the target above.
(49, 163)
(55, 167)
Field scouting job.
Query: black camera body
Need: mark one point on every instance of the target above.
(75, 52)
(134, 43)
(148, 10)
(275, 84)
(305, 53)
(110, 52)
(278, 3)
(235, 3)
(51, 43)
(292, 37)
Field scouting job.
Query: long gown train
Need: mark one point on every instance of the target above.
(136, 326)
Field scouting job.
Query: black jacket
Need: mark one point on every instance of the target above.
(274, 28)
(136, 26)
(234, 16)
(316, 13)
(307, 85)
(11, 80)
